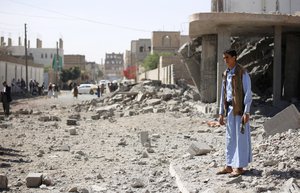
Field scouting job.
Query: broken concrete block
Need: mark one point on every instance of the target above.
(290, 186)
(287, 119)
(129, 113)
(145, 138)
(47, 181)
(159, 110)
(152, 102)
(71, 122)
(34, 180)
(73, 131)
(199, 149)
(3, 181)
(95, 117)
(75, 116)
(148, 110)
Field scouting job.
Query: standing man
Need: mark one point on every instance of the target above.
(6, 98)
(235, 102)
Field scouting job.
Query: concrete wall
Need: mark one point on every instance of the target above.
(165, 75)
(11, 70)
(179, 70)
(151, 74)
(262, 6)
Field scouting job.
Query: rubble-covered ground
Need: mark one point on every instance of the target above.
(128, 141)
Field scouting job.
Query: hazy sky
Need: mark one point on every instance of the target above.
(94, 27)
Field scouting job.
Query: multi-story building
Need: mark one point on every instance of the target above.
(278, 19)
(40, 55)
(140, 49)
(127, 59)
(165, 41)
(256, 6)
(44, 56)
(113, 66)
(92, 69)
(71, 61)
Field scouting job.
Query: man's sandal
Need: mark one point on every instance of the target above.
(225, 170)
(236, 173)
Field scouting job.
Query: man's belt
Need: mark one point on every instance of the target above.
(229, 103)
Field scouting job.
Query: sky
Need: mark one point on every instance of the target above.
(94, 27)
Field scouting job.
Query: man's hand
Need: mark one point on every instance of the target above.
(246, 118)
(221, 120)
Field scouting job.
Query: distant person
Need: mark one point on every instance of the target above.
(236, 98)
(98, 91)
(6, 98)
(75, 91)
(50, 90)
(55, 90)
(102, 88)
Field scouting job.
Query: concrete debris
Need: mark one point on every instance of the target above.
(24, 111)
(124, 135)
(49, 118)
(73, 131)
(145, 140)
(34, 180)
(3, 181)
(137, 183)
(287, 119)
(71, 122)
(199, 149)
(290, 186)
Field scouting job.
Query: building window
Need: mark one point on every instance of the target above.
(42, 55)
(46, 55)
(149, 49)
(51, 56)
(166, 41)
(141, 49)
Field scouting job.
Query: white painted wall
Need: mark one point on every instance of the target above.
(262, 6)
(18, 71)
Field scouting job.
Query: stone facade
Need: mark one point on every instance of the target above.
(114, 66)
(74, 60)
(165, 41)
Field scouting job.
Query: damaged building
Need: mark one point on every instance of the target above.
(266, 35)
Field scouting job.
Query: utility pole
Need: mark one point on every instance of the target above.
(26, 59)
(57, 65)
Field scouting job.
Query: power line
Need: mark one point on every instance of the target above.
(35, 16)
(83, 19)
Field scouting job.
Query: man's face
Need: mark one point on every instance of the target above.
(229, 60)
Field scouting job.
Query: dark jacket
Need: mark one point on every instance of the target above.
(6, 95)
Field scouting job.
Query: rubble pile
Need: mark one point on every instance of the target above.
(151, 138)
(143, 98)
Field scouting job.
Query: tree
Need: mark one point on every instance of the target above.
(152, 60)
(70, 74)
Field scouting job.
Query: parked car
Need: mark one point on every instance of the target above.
(104, 82)
(87, 89)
